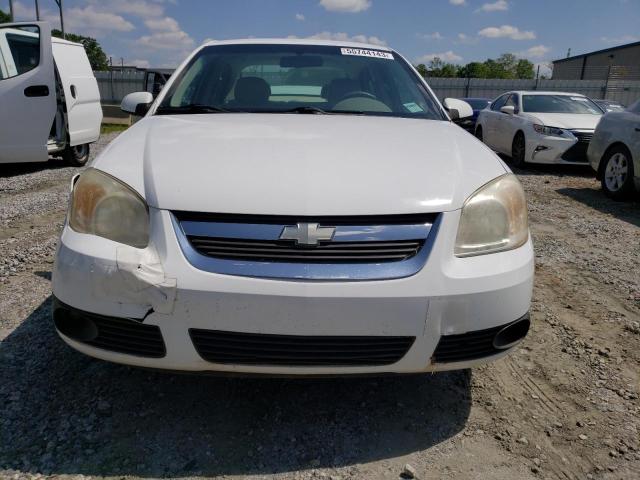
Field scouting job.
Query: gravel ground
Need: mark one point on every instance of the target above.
(564, 405)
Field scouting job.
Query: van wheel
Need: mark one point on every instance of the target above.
(77, 156)
(479, 133)
(518, 150)
(617, 175)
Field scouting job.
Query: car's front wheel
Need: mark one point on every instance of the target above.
(76, 156)
(617, 175)
(518, 149)
(479, 133)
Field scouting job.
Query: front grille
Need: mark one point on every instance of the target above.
(286, 251)
(578, 152)
(115, 334)
(293, 350)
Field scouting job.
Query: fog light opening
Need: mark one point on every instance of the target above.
(75, 326)
(511, 334)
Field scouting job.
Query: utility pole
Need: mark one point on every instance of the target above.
(59, 3)
(11, 11)
(37, 11)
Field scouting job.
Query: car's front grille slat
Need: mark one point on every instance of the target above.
(293, 350)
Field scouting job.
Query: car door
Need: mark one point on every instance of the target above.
(492, 120)
(507, 125)
(634, 141)
(27, 92)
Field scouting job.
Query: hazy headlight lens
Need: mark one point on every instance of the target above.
(104, 206)
(544, 130)
(493, 219)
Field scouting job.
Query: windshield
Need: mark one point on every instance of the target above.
(276, 78)
(559, 104)
(477, 103)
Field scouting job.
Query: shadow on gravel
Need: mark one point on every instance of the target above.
(64, 413)
(627, 211)
(15, 169)
(584, 171)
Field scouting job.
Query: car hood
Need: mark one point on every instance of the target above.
(292, 164)
(566, 120)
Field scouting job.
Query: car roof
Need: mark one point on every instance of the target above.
(298, 41)
(539, 92)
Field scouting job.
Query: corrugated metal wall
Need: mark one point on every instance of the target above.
(623, 91)
(115, 85)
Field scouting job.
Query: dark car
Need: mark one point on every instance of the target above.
(609, 105)
(477, 104)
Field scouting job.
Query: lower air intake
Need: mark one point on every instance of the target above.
(292, 350)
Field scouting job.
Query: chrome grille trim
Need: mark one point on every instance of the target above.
(356, 252)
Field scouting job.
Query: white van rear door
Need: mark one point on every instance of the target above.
(27, 92)
(84, 113)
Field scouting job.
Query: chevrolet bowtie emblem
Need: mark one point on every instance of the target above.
(307, 233)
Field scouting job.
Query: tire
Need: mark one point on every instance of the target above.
(518, 150)
(479, 133)
(77, 156)
(617, 173)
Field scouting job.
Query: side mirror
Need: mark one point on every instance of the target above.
(458, 109)
(137, 103)
(508, 109)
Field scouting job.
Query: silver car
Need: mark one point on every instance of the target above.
(614, 152)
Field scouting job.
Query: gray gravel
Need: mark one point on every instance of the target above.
(563, 405)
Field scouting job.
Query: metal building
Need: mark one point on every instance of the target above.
(621, 62)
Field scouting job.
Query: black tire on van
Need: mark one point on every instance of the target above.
(76, 156)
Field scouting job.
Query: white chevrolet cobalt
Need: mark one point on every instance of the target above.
(539, 127)
(295, 207)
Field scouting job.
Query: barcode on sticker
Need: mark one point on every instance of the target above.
(366, 53)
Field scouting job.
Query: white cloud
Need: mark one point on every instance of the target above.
(300, 17)
(499, 5)
(622, 39)
(344, 37)
(458, 2)
(139, 8)
(463, 38)
(447, 56)
(507, 31)
(430, 36)
(166, 34)
(537, 51)
(352, 6)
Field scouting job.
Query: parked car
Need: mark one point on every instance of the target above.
(155, 79)
(477, 104)
(539, 127)
(49, 96)
(609, 105)
(614, 152)
(339, 226)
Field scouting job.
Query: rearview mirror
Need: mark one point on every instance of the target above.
(508, 109)
(137, 103)
(300, 61)
(457, 109)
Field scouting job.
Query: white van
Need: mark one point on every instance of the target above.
(49, 98)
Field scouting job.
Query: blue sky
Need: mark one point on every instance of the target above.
(163, 32)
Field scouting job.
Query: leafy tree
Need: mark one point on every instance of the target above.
(507, 62)
(439, 68)
(97, 57)
(524, 69)
(4, 17)
(422, 69)
(473, 70)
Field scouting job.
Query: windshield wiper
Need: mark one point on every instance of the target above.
(190, 108)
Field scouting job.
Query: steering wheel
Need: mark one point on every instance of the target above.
(357, 93)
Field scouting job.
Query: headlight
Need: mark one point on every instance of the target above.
(493, 219)
(104, 206)
(543, 130)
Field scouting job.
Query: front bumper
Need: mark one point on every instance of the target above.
(158, 287)
(546, 149)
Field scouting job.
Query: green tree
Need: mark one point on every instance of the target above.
(473, 70)
(508, 62)
(439, 68)
(422, 69)
(524, 69)
(4, 17)
(97, 57)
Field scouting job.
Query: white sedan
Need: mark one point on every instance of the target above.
(295, 207)
(614, 152)
(539, 127)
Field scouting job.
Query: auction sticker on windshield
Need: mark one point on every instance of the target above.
(366, 53)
